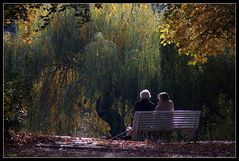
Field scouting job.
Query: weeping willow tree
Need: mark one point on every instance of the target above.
(122, 57)
(64, 76)
(53, 60)
(60, 98)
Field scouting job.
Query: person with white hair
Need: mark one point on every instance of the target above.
(144, 104)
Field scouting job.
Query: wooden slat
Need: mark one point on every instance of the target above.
(153, 120)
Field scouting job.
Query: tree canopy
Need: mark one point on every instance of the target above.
(26, 12)
(200, 30)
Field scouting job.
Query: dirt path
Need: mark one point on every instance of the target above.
(66, 146)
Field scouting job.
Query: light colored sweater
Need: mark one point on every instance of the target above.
(165, 106)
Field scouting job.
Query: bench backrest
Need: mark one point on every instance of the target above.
(166, 120)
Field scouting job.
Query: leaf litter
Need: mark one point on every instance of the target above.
(25, 144)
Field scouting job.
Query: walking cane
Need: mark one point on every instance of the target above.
(128, 129)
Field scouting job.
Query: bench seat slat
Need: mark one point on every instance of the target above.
(166, 120)
(166, 123)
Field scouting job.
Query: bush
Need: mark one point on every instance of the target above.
(15, 103)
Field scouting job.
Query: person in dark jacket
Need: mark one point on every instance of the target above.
(144, 104)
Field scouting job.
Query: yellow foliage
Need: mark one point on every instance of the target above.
(200, 28)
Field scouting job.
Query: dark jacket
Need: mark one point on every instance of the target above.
(143, 105)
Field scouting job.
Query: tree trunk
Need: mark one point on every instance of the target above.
(108, 114)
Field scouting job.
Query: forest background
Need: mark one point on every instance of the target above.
(64, 58)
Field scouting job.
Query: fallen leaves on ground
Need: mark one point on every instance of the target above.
(25, 144)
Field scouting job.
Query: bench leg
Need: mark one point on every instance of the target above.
(141, 135)
(134, 135)
(161, 136)
(190, 135)
(168, 136)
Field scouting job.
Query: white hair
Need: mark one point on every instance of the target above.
(145, 94)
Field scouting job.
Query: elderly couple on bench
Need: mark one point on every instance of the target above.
(144, 104)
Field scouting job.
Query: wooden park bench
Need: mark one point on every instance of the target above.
(165, 121)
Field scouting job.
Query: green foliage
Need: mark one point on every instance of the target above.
(58, 88)
(16, 101)
(123, 54)
(136, 44)
(218, 93)
(18, 95)
(202, 87)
